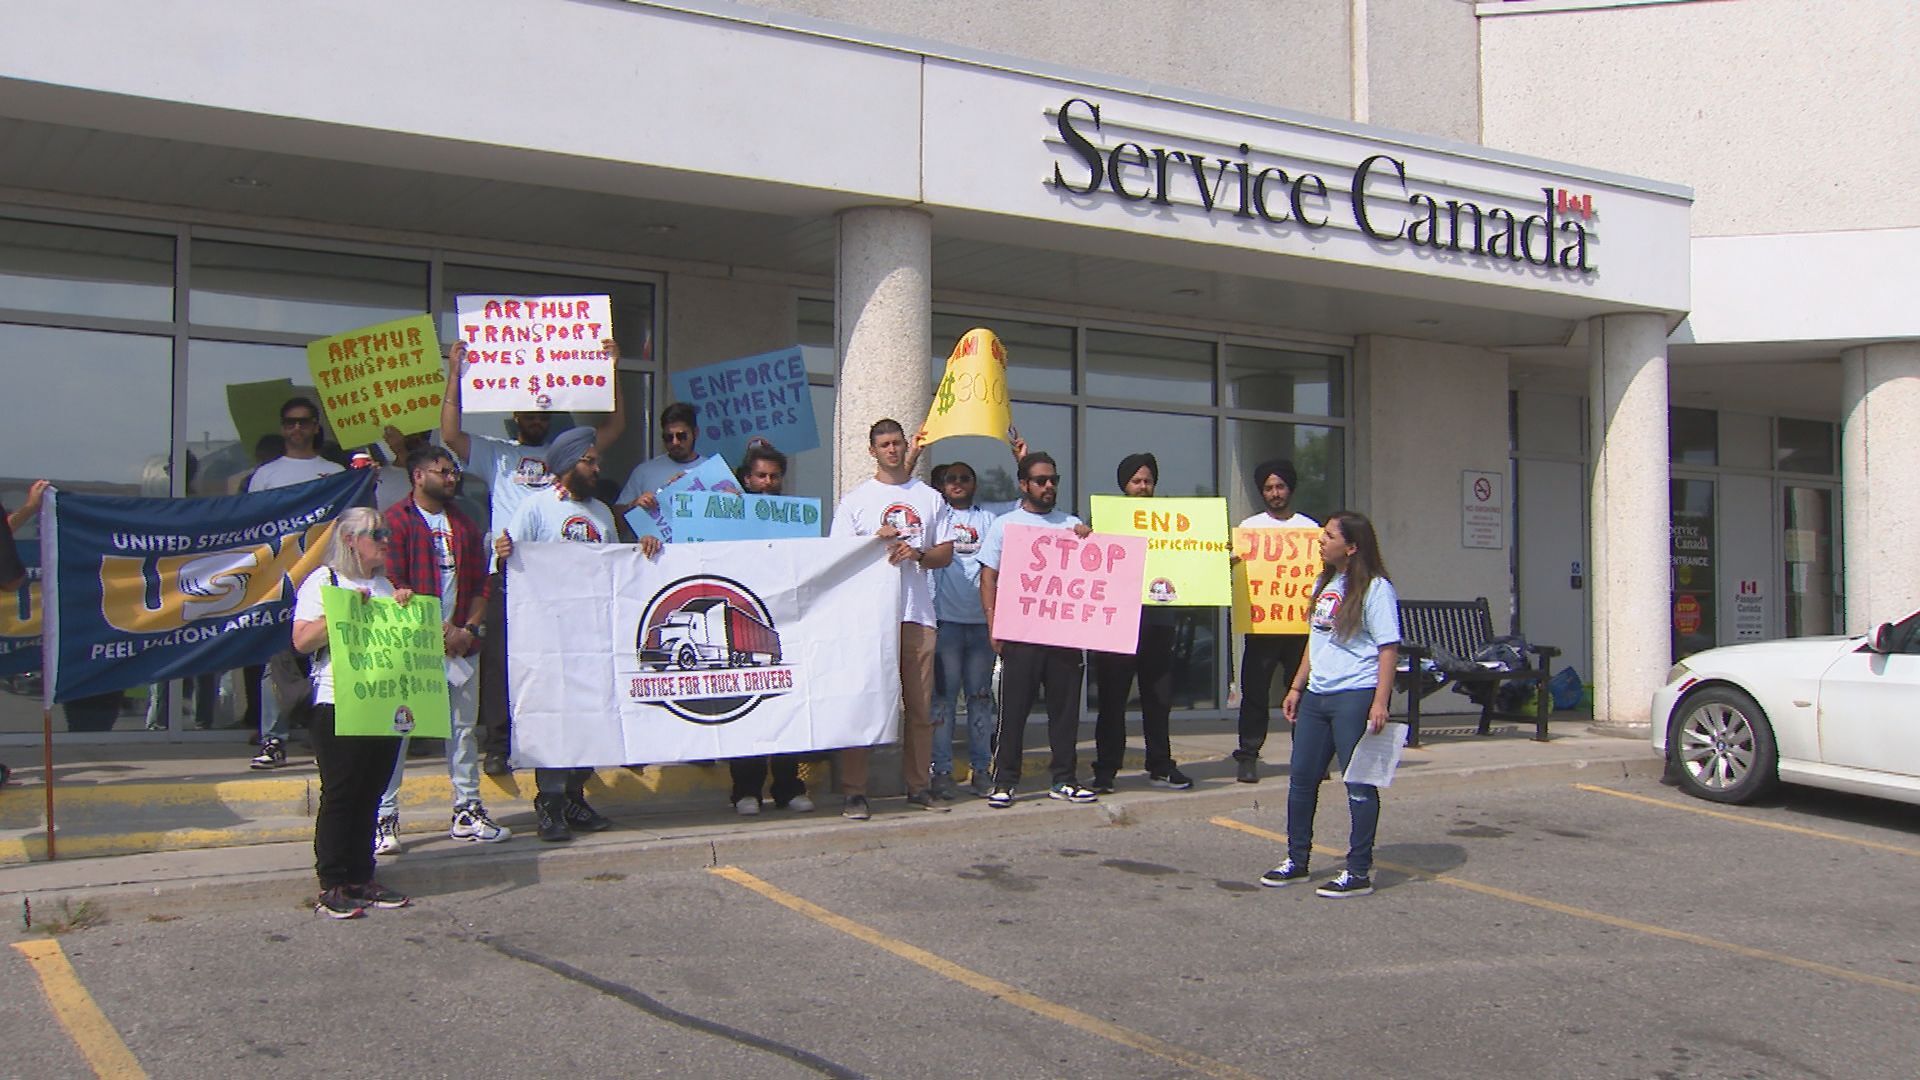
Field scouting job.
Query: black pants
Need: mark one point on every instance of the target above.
(493, 728)
(1113, 674)
(1024, 670)
(354, 770)
(1262, 655)
(750, 775)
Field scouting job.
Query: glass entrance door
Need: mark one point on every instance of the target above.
(1814, 604)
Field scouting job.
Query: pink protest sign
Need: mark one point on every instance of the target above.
(1057, 589)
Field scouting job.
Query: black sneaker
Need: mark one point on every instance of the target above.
(1067, 791)
(1249, 771)
(550, 812)
(337, 903)
(1102, 784)
(856, 808)
(1347, 884)
(1286, 873)
(1173, 778)
(924, 800)
(272, 755)
(584, 818)
(374, 894)
(496, 764)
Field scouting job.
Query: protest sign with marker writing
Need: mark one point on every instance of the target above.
(1273, 582)
(1057, 589)
(1186, 546)
(536, 353)
(378, 375)
(389, 665)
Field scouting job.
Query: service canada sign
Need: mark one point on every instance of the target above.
(1381, 199)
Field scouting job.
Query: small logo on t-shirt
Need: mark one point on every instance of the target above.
(1325, 607)
(966, 540)
(532, 473)
(580, 529)
(904, 518)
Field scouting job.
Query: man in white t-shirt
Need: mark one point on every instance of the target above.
(301, 463)
(912, 518)
(566, 511)
(679, 432)
(1263, 653)
(513, 469)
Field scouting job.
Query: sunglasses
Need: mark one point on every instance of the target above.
(378, 535)
(676, 436)
(961, 479)
(298, 421)
(1043, 481)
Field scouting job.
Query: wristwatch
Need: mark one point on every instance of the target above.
(476, 629)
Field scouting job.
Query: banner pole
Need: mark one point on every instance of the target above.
(46, 774)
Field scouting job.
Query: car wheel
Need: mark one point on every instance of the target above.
(1722, 746)
(687, 658)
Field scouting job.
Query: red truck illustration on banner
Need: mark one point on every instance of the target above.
(710, 632)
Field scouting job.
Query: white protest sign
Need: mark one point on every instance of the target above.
(535, 353)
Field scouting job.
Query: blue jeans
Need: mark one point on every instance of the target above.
(963, 660)
(1326, 725)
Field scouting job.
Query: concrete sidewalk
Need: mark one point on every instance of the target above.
(245, 837)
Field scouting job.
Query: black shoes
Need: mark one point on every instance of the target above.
(551, 813)
(1249, 772)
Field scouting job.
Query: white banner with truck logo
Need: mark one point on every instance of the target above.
(710, 651)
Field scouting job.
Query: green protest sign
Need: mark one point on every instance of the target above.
(388, 663)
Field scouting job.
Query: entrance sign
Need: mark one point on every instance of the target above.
(388, 662)
(536, 353)
(1483, 519)
(764, 395)
(972, 396)
(1187, 546)
(1273, 581)
(708, 651)
(378, 375)
(1057, 589)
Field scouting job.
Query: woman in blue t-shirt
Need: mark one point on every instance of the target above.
(1340, 693)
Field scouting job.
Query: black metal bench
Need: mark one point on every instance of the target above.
(1463, 628)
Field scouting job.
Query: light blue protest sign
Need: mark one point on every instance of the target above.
(710, 475)
(764, 396)
(720, 515)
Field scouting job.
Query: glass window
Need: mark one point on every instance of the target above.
(300, 292)
(1318, 455)
(1277, 380)
(1039, 356)
(1049, 428)
(816, 337)
(1138, 367)
(1814, 598)
(1693, 436)
(1805, 446)
(76, 434)
(1183, 445)
(1693, 623)
(68, 270)
(234, 392)
(1746, 441)
(991, 460)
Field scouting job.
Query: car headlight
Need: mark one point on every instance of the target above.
(1678, 672)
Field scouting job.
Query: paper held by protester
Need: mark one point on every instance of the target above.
(1376, 757)
(971, 398)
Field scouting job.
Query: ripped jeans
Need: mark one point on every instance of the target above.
(1330, 725)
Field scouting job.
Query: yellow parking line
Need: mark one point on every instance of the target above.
(1604, 919)
(1670, 804)
(99, 1043)
(992, 987)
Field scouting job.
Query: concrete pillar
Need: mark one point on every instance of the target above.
(1880, 399)
(1627, 356)
(883, 327)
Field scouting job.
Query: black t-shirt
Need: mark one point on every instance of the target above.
(11, 568)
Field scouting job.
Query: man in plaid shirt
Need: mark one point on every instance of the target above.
(436, 550)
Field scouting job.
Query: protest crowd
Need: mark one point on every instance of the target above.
(922, 616)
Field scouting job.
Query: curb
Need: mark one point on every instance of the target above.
(280, 873)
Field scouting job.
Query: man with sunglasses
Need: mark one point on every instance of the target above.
(436, 550)
(1026, 668)
(300, 463)
(679, 431)
(514, 471)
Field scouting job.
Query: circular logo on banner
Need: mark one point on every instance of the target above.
(1160, 591)
(709, 651)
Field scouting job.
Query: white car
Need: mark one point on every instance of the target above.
(1831, 712)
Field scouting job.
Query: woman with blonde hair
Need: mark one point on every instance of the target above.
(1340, 693)
(353, 769)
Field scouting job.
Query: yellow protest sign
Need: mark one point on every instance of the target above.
(972, 396)
(379, 375)
(1273, 581)
(1186, 546)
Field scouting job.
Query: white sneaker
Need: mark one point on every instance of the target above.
(800, 804)
(471, 823)
(748, 805)
(386, 835)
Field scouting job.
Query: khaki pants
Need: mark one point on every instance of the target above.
(916, 730)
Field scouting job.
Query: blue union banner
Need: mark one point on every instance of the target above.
(142, 590)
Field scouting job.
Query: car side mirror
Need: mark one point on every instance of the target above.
(1883, 639)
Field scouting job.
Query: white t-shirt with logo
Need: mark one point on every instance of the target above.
(443, 556)
(287, 471)
(1264, 520)
(655, 473)
(308, 606)
(956, 586)
(513, 472)
(1352, 664)
(922, 517)
(550, 515)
